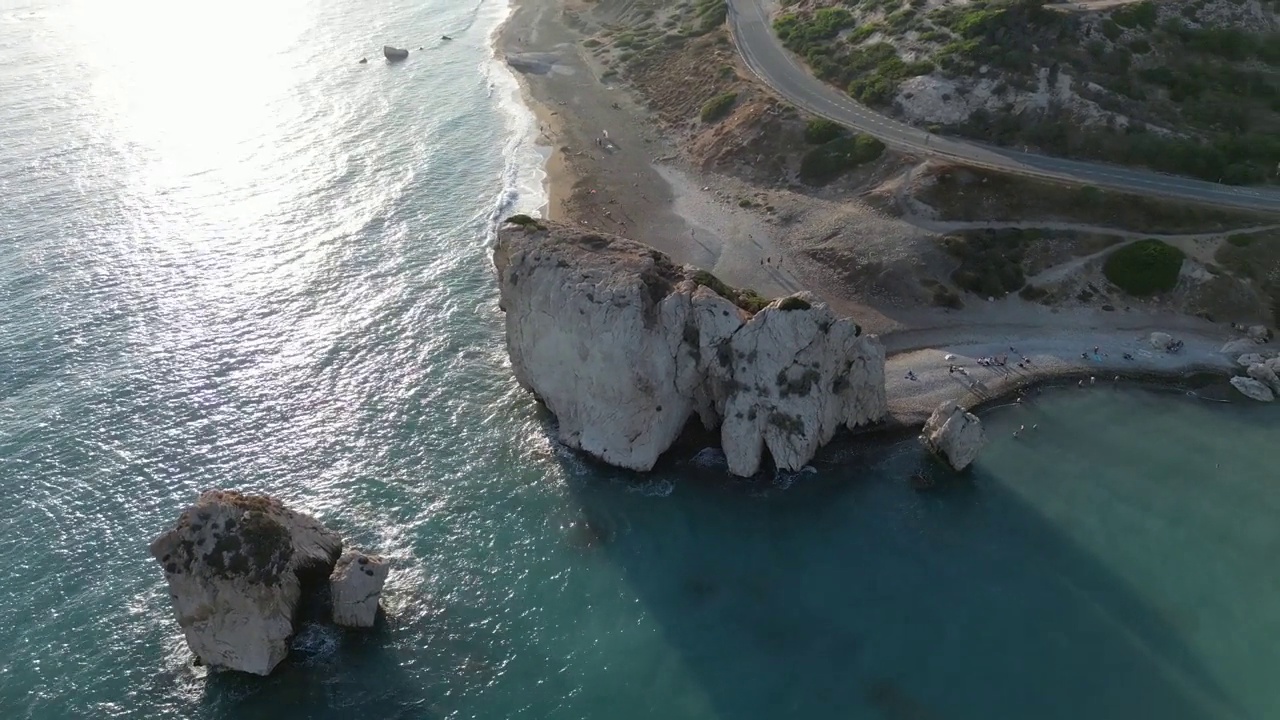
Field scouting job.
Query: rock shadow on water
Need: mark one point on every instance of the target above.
(326, 676)
(851, 595)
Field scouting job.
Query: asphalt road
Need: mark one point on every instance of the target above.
(764, 55)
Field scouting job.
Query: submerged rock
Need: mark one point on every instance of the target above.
(1253, 389)
(625, 347)
(954, 434)
(356, 588)
(236, 565)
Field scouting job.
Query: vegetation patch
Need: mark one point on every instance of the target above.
(745, 298)
(822, 130)
(718, 107)
(1143, 268)
(990, 260)
(972, 195)
(832, 159)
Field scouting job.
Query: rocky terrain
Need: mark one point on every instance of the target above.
(625, 347)
(1185, 86)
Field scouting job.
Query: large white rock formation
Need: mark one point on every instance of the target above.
(954, 434)
(356, 587)
(235, 565)
(625, 347)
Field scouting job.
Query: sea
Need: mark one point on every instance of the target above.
(233, 256)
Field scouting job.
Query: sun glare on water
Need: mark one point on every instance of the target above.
(195, 83)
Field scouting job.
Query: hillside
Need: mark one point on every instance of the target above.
(1185, 86)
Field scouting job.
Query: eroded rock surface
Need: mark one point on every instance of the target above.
(954, 434)
(235, 565)
(356, 588)
(625, 347)
(1254, 389)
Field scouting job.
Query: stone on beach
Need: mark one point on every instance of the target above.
(954, 434)
(1161, 340)
(356, 588)
(1253, 389)
(236, 565)
(624, 347)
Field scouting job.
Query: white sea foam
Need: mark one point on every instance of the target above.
(524, 173)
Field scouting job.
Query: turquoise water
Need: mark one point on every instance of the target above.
(235, 258)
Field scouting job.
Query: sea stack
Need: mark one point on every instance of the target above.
(624, 347)
(954, 434)
(356, 587)
(236, 565)
(394, 53)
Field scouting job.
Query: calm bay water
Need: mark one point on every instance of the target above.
(233, 257)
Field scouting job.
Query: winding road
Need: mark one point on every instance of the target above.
(764, 54)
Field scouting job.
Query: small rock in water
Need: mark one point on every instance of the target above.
(356, 588)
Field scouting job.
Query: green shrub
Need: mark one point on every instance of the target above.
(822, 130)
(1241, 240)
(711, 15)
(718, 106)
(1140, 46)
(990, 260)
(1111, 30)
(1146, 267)
(745, 298)
(832, 159)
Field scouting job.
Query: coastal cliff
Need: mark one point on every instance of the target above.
(624, 347)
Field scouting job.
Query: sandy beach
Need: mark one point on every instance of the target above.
(612, 169)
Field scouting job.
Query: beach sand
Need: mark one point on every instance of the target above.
(630, 181)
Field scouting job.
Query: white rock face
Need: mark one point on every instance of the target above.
(625, 347)
(1259, 333)
(356, 588)
(233, 563)
(954, 434)
(1160, 340)
(1253, 389)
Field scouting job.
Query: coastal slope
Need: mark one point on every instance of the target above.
(625, 346)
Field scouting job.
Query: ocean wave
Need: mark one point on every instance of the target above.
(524, 172)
